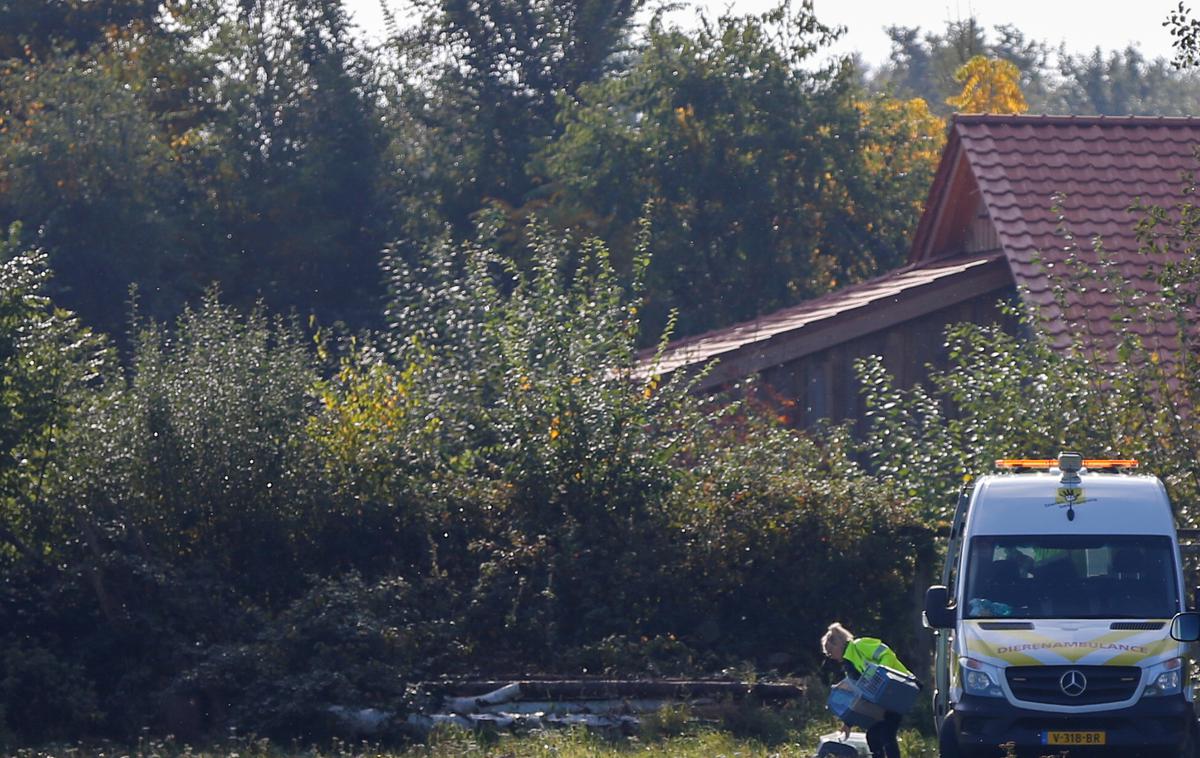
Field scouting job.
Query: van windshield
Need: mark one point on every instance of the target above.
(1071, 576)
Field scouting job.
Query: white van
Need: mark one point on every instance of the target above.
(1060, 619)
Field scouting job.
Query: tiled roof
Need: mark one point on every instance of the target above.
(1101, 167)
(749, 338)
(1098, 167)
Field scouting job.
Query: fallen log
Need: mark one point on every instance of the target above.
(630, 705)
(498, 696)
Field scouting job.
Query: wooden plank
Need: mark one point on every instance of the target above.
(603, 689)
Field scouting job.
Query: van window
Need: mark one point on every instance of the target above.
(1071, 576)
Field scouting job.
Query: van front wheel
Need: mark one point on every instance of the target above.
(947, 741)
(1191, 747)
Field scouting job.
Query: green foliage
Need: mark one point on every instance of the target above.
(1186, 31)
(1123, 82)
(38, 27)
(243, 147)
(235, 531)
(1110, 83)
(85, 164)
(766, 505)
(479, 95)
(1006, 394)
(755, 164)
(924, 65)
(344, 642)
(48, 364)
(526, 379)
(292, 156)
(222, 403)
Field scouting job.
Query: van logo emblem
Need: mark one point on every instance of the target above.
(1073, 683)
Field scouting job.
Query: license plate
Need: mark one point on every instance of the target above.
(1074, 738)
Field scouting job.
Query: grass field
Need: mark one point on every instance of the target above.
(696, 743)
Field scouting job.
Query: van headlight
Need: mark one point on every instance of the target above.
(1165, 679)
(979, 678)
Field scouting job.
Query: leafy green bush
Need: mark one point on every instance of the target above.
(248, 528)
(1006, 394)
(783, 536)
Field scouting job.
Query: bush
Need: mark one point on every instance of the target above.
(249, 529)
(782, 537)
(1005, 394)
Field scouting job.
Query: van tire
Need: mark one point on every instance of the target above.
(1191, 747)
(948, 741)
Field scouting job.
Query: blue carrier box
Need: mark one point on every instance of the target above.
(850, 704)
(888, 688)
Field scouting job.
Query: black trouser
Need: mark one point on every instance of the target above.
(881, 738)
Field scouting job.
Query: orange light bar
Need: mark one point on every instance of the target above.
(1047, 463)
(1110, 463)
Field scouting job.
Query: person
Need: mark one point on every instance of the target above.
(854, 654)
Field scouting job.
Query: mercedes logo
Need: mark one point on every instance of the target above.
(1073, 683)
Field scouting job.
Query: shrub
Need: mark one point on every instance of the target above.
(1006, 394)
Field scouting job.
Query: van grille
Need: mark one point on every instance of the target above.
(1043, 684)
(1138, 625)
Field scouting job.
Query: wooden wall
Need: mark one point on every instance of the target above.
(824, 385)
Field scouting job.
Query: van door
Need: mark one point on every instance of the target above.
(943, 639)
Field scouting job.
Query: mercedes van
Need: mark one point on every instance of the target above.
(1060, 621)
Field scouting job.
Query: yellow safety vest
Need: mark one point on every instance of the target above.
(866, 650)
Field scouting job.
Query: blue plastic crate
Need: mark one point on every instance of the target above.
(889, 688)
(849, 704)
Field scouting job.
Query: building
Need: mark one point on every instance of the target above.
(1013, 198)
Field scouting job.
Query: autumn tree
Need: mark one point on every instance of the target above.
(922, 64)
(988, 86)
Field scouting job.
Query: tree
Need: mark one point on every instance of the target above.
(88, 168)
(1115, 82)
(1123, 82)
(293, 153)
(988, 86)
(36, 28)
(488, 77)
(767, 180)
(47, 361)
(1186, 31)
(923, 65)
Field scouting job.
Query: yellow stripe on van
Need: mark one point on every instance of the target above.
(980, 648)
(1029, 647)
(1154, 649)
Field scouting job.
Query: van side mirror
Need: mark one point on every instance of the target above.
(1185, 627)
(938, 613)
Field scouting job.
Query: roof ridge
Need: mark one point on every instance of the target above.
(1067, 119)
(757, 324)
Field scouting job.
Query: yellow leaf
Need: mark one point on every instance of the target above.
(990, 85)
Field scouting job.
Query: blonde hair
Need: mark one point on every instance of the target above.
(836, 636)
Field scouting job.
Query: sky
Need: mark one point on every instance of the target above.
(1081, 24)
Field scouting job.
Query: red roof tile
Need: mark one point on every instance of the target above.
(1099, 167)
